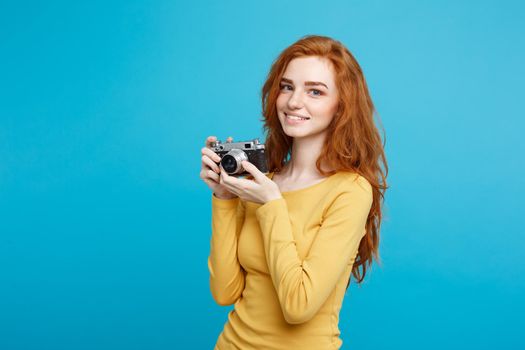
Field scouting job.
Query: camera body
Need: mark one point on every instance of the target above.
(233, 153)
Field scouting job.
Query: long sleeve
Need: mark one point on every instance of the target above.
(226, 274)
(303, 286)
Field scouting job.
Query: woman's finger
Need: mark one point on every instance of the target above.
(208, 152)
(210, 164)
(213, 175)
(222, 176)
(209, 140)
(209, 182)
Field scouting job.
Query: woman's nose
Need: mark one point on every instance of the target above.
(295, 100)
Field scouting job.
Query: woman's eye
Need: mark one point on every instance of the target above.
(316, 92)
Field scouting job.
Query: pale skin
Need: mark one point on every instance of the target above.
(308, 89)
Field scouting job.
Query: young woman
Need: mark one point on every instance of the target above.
(285, 244)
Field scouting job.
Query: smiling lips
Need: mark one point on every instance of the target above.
(294, 119)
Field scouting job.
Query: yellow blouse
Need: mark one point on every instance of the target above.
(286, 263)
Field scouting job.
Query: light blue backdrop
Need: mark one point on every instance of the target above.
(105, 223)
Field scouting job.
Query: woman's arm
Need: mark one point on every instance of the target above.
(226, 274)
(304, 285)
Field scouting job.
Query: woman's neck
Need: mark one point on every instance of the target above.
(305, 152)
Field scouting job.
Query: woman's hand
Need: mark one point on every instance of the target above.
(260, 190)
(210, 170)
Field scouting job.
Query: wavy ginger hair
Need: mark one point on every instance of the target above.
(354, 143)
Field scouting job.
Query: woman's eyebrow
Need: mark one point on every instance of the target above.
(307, 83)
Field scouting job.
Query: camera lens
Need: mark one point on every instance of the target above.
(229, 163)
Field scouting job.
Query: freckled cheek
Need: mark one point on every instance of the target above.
(280, 103)
(281, 100)
(322, 112)
(328, 109)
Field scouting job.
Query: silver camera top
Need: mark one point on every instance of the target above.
(254, 144)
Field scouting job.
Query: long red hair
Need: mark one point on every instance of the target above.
(354, 143)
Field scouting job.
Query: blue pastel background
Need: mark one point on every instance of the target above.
(105, 223)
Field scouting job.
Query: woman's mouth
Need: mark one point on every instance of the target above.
(295, 119)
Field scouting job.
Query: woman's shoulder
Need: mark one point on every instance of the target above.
(352, 181)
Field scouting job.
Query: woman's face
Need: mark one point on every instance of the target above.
(307, 89)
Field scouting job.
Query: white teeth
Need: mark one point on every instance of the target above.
(296, 117)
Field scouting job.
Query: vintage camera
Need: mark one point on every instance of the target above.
(233, 153)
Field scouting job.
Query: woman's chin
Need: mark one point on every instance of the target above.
(295, 134)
